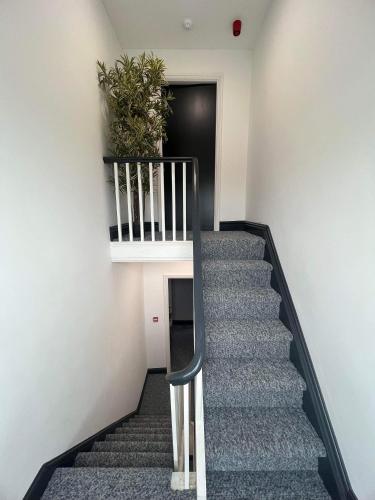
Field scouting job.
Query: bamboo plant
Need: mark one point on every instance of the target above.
(137, 97)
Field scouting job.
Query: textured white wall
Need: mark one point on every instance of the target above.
(234, 66)
(154, 281)
(312, 179)
(72, 357)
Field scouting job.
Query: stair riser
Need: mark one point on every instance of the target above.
(164, 420)
(239, 279)
(147, 425)
(124, 447)
(247, 307)
(233, 462)
(232, 348)
(295, 485)
(252, 399)
(102, 459)
(143, 430)
(241, 250)
(138, 437)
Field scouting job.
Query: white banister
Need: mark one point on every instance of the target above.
(140, 199)
(129, 197)
(173, 177)
(118, 209)
(173, 391)
(184, 199)
(186, 436)
(151, 172)
(183, 479)
(162, 200)
(200, 456)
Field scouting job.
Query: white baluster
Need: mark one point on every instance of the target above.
(140, 197)
(152, 201)
(186, 436)
(173, 391)
(117, 195)
(173, 201)
(184, 199)
(200, 459)
(162, 200)
(129, 197)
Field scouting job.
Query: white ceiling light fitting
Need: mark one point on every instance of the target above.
(188, 24)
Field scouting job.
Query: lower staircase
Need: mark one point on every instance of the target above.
(133, 462)
(260, 444)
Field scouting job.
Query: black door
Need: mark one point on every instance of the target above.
(191, 131)
(181, 323)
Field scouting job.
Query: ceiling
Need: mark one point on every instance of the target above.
(158, 24)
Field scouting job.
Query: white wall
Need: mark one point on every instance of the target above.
(312, 179)
(234, 67)
(155, 277)
(72, 357)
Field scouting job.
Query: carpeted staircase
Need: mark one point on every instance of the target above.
(259, 443)
(133, 462)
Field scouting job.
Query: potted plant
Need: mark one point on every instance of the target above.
(137, 97)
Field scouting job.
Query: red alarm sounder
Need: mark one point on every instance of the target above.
(237, 27)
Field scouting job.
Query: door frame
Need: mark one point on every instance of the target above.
(166, 278)
(218, 79)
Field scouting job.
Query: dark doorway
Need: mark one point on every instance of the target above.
(181, 328)
(191, 131)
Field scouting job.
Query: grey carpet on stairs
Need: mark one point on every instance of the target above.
(156, 396)
(94, 483)
(260, 444)
(135, 461)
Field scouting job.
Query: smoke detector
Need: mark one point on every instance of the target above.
(188, 24)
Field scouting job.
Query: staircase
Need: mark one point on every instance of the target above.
(259, 443)
(135, 461)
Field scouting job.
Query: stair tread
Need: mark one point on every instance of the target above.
(143, 430)
(236, 236)
(229, 292)
(128, 459)
(262, 339)
(253, 439)
(245, 382)
(125, 446)
(219, 265)
(76, 483)
(241, 303)
(284, 485)
(248, 329)
(147, 425)
(231, 245)
(161, 417)
(236, 273)
(138, 436)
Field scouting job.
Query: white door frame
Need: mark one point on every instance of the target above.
(217, 78)
(167, 277)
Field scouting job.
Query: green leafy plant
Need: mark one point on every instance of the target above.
(137, 97)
